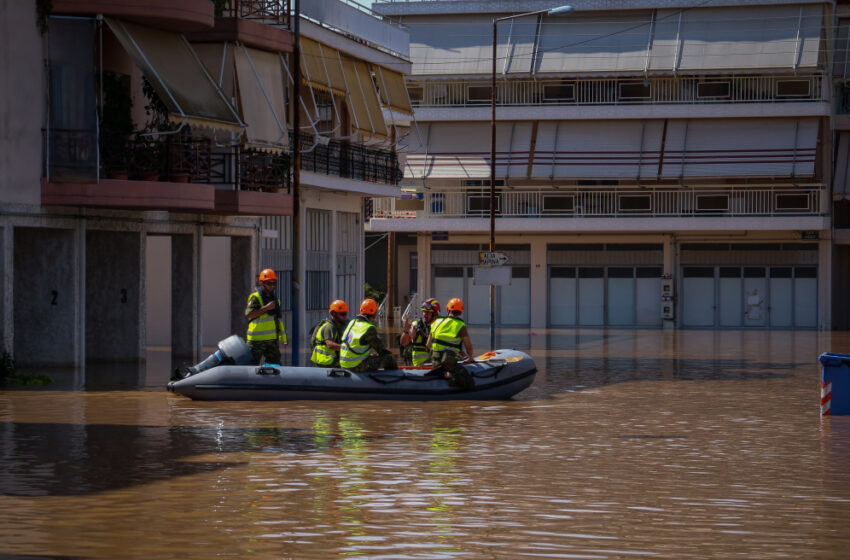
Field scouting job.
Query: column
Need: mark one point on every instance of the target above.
(185, 294)
(539, 288)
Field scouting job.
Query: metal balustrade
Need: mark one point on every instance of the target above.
(620, 91)
(608, 203)
(275, 12)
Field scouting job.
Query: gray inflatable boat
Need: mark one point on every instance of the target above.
(498, 375)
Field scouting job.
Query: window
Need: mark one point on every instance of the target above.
(791, 202)
(559, 91)
(712, 203)
(416, 93)
(562, 272)
(325, 112)
(635, 90)
(634, 202)
(437, 203)
(478, 94)
(713, 90)
(478, 202)
(482, 183)
(558, 204)
(698, 272)
(318, 289)
(793, 88)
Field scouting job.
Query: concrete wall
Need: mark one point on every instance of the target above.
(841, 287)
(242, 279)
(45, 296)
(158, 289)
(21, 103)
(215, 289)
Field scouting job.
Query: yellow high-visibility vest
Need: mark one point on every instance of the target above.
(322, 355)
(445, 334)
(353, 351)
(265, 327)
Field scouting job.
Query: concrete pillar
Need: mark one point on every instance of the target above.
(671, 264)
(539, 284)
(185, 297)
(841, 287)
(114, 287)
(241, 282)
(423, 280)
(7, 251)
(824, 284)
(45, 301)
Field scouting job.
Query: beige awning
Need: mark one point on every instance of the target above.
(218, 60)
(259, 76)
(393, 91)
(177, 75)
(362, 99)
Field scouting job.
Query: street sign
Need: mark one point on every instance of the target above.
(494, 258)
(492, 276)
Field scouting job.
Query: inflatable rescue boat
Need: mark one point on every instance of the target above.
(224, 376)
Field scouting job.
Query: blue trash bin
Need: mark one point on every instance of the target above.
(835, 384)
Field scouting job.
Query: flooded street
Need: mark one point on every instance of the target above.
(630, 443)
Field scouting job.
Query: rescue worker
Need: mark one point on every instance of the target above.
(361, 339)
(448, 337)
(415, 334)
(328, 334)
(265, 327)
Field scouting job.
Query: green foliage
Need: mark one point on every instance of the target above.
(156, 110)
(10, 378)
(219, 6)
(377, 292)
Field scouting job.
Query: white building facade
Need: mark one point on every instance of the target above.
(659, 164)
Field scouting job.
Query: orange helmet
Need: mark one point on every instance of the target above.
(267, 274)
(339, 306)
(368, 307)
(455, 304)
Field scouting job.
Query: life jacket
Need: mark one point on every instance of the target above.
(445, 334)
(418, 353)
(353, 351)
(267, 326)
(322, 355)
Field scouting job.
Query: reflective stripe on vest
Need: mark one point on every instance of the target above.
(419, 354)
(353, 351)
(264, 327)
(322, 355)
(445, 334)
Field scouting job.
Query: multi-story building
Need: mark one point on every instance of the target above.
(659, 164)
(145, 166)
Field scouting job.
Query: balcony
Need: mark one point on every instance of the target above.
(163, 172)
(620, 203)
(340, 158)
(263, 24)
(173, 15)
(693, 90)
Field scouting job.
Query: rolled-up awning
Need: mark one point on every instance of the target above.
(393, 91)
(253, 80)
(320, 66)
(177, 75)
(261, 97)
(362, 99)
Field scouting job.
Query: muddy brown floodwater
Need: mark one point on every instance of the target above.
(630, 443)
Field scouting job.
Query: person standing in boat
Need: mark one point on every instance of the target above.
(361, 348)
(415, 334)
(448, 337)
(328, 335)
(265, 328)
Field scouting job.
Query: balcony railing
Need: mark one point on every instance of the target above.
(352, 161)
(620, 91)
(73, 156)
(78, 156)
(274, 12)
(613, 203)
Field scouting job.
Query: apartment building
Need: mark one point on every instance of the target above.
(658, 164)
(145, 166)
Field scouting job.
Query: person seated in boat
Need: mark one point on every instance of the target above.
(447, 340)
(361, 348)
(328, 335)
(415, 334)
(265, 327)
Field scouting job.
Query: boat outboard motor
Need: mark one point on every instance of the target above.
(231, 350)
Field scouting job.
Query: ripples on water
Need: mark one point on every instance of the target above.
(629, 444)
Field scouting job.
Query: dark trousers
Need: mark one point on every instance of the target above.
(266, 350)
(459, 377)
(374, 363)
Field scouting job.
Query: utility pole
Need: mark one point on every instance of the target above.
(296, 184)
